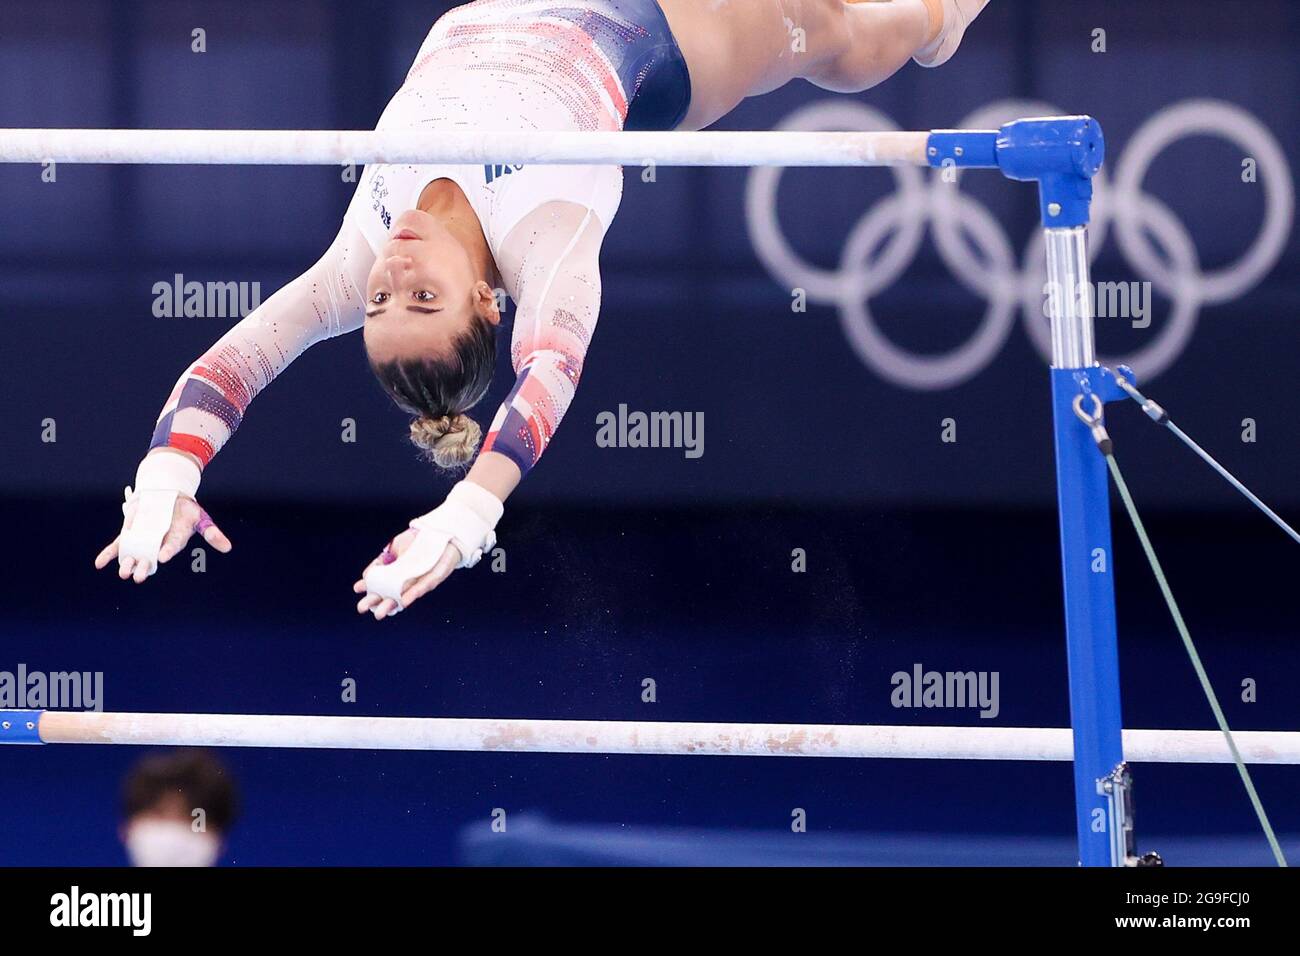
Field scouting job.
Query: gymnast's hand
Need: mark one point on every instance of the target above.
(142, 555)
(453, 535)
(412, 588)
(159, 517)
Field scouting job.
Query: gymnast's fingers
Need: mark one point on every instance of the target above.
(215, 536)
(441, 571)
(124, 568)
(387, 556)
(192, 518)
(386, 608)
(107, 555)
(368, 602)
(176, 537)
(111, 552)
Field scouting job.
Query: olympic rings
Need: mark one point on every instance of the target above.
(962, 227)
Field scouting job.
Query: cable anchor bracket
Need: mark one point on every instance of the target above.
(1096, 421)
(1117, 788)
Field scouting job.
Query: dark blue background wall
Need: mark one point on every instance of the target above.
(631, 564)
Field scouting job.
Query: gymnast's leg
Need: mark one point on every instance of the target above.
(880, 36)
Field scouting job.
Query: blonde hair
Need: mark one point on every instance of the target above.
(449, 442)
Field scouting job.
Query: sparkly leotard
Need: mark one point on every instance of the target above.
(491, 64)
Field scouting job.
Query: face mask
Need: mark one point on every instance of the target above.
(169, 843)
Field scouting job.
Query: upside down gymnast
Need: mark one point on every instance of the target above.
(422, 248)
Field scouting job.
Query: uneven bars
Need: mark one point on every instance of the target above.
(626, 737)
(346, 147)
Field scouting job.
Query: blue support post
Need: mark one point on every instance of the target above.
(1083, 499)
(1061, 155)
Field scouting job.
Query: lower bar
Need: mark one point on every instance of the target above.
(637, 737)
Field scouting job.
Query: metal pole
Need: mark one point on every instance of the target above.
(1061, 155)
(515, 735)
(1087, 565)
(346, 147)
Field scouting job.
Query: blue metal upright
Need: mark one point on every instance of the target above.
(1082, 492)
(1061, 155)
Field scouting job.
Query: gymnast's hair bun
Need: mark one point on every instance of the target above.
(449, 442)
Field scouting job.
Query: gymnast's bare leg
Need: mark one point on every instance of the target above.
(741, 48)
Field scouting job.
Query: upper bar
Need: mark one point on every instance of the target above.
(346, 147)
(634, 737)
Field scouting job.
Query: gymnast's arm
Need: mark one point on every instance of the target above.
(209, 401)
(553, 258)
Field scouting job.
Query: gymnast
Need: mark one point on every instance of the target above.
(423, 249)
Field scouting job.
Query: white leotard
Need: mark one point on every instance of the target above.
(491, 64)
(506, 65)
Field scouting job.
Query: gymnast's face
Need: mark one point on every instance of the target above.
(422, 291)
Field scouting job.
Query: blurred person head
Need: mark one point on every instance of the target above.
(430, 332)
(177, 809)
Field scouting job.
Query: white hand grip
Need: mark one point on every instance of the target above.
(141, 542)
(466, 519)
